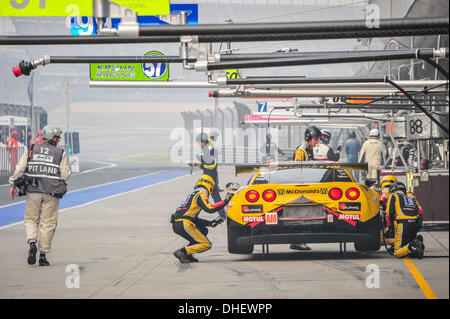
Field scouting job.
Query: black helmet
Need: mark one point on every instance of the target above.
(397, 187)
(312, 132)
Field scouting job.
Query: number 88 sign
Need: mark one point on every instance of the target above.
(156, 71)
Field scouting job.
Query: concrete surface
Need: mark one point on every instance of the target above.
(123, 248)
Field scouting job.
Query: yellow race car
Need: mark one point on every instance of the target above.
(303, 202)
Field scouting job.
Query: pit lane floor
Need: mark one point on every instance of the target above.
(122, 246)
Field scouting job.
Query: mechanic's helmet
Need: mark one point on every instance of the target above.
(325, 136)
(14, 132)
(388, 180)
(49, 131)
(312, 132)
(39, 133)
(213, 135)
(202, 137)
(374, 133)
(207, 182)
(397, 187)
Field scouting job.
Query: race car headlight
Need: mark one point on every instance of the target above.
(335, 193)
(252, 196)
(269, 195)
(352, 193)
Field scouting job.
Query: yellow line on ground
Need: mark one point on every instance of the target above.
(429, 294)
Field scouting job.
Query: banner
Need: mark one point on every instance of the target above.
(130, 71)
(58, 8)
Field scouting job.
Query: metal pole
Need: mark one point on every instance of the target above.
(411, 69)
(355, 57)
(395, 143)
(292, 27)
(33, 128)
(257, 56)
(256, 93)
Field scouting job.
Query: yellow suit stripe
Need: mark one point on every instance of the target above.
(400, 251)
(203, 242)
(301, 155)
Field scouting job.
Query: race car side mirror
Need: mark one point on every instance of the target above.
(232, 187)
(370, 182)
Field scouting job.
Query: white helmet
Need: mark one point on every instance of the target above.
(374, 133)
(49, 131)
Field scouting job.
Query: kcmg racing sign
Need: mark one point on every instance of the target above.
(130, 71)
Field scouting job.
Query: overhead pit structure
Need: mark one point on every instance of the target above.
(414, 96)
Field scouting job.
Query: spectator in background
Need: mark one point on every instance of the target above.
(38, 138)
(351, 150)
(13, 146)
(371, 153)
(270, 150)
(323, 151)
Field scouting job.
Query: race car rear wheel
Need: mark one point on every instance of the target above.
(372, 228)
(233, 234)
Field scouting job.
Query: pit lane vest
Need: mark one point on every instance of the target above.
(43, 167)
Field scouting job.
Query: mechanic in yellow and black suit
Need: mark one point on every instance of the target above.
(305, 151)
(187, 224)
(404, 213)
(388, 231)
(208, 163)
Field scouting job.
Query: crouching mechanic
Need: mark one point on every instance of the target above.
(405, 214)
(45, 169)
(387, 231)
(187, 224)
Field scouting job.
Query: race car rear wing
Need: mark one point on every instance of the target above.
(252, 168)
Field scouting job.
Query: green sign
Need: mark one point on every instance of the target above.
(130, 71)
(233, 74)
(57, 8)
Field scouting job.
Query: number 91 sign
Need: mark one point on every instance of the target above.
(156, 71)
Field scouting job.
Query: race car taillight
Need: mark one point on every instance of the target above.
(335, 193)
(269, 195)
(352, 193)
(252, 196)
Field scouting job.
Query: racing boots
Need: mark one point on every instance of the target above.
(301, 246)
(420, 238)
(43, 261)
(416, 248)
(182, 256)
(391, 250)
(192, 259)
(32, 253)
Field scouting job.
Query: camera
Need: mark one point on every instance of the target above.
(22, 183)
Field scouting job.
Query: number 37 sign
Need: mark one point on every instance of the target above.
(130, 71)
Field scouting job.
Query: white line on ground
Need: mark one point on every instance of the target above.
(96, 169)
(100, 199)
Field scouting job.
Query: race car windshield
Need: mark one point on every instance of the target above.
(302, 175)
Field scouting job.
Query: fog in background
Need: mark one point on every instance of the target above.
(119, 123)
